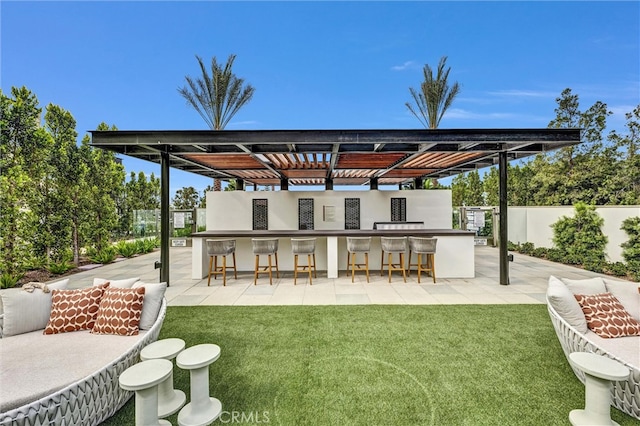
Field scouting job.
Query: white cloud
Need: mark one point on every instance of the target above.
(407, 65)
(523, 94)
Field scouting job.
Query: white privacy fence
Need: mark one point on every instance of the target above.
(533, 225)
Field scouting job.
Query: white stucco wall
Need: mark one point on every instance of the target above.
(233, 209)
(533, 224)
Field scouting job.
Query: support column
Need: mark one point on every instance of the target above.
(418, 183)
(504, 238)
(373, 183)
(239, 184)
(328, 184)
(284, 184)
(164, 218)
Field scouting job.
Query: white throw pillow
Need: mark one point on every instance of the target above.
(153, 295)
(24, 312)
(627, 293)
(124, 283)
(565, 304)
(586, 286)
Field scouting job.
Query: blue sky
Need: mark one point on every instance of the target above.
(320, 65)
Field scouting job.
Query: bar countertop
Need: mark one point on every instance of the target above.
(334, 233)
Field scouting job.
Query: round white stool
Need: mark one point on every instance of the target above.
(203, 409)
(143, 378)
(170, 400)
(599, 372)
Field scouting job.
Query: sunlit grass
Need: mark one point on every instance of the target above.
(381, 365)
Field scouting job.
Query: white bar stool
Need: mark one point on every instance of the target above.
(304, 246)
(599, 372)
(170, 400)
(144, 378)
(203, 409)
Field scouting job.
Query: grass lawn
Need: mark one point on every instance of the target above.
(381, 365)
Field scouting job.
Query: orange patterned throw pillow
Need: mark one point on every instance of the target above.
(73, 310)
(606, 316)
(120, 310)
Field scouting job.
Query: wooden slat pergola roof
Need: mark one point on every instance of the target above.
(342, 157)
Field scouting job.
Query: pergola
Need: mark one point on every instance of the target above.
(332, 157)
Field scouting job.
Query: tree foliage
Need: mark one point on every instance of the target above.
(186, 199)
(435, 95)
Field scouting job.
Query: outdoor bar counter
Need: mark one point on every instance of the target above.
(454, 255)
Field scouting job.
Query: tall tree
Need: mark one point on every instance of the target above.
(186, 198)
(24, 148)
(218, 96)
(434, 97)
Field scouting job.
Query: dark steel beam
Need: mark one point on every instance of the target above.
(503, 224)
(164, 218)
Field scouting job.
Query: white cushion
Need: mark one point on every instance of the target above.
(627, 293)
(124, 283)
(153, 295)
(24, 312)
(586, 286)
(565, 304)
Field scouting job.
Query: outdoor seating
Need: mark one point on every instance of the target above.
(357, 245)
(262, 247)
(427, 247)
(304, 246)
(574, 335)
(391, 246)
(221, 248)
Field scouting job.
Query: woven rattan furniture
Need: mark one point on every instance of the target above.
(625, 393)
(427, 247)
(357, 245)
(170, 400)
(391, 246)
(144, 378)
(265, 247)
(91, 399)
(221, 248)
(202, 409)
(302, 246)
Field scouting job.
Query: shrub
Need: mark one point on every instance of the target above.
(104, 256)
(540, 252)
(527, 248)
(511, 246)
(126, 248)
(618, 269)
(631, 247)
(8, 280)
(580, 238)
(59, 267)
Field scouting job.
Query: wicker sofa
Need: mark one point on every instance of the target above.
(574, 338)
(69, 378)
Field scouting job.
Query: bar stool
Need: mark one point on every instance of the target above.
(144, 378)
(393, 245)
(170, 400)
(203, 409)
(304, 246)
(426, 246)
(222, 248)
(357, 245)
(269, 247)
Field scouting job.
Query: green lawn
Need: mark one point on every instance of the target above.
(381, 365)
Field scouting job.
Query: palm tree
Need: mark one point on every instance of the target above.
(434, 97)
(217, 96)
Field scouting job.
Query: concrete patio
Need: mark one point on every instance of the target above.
(528, 276)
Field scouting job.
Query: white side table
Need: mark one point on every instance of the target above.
(203, 409)
(599, 372)
(143, 378)
(170, 400)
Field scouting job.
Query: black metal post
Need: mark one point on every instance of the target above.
(164, 218)
(504, 238)
(373, 183)
(328, 184)
(418, 183)
(284, 184)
